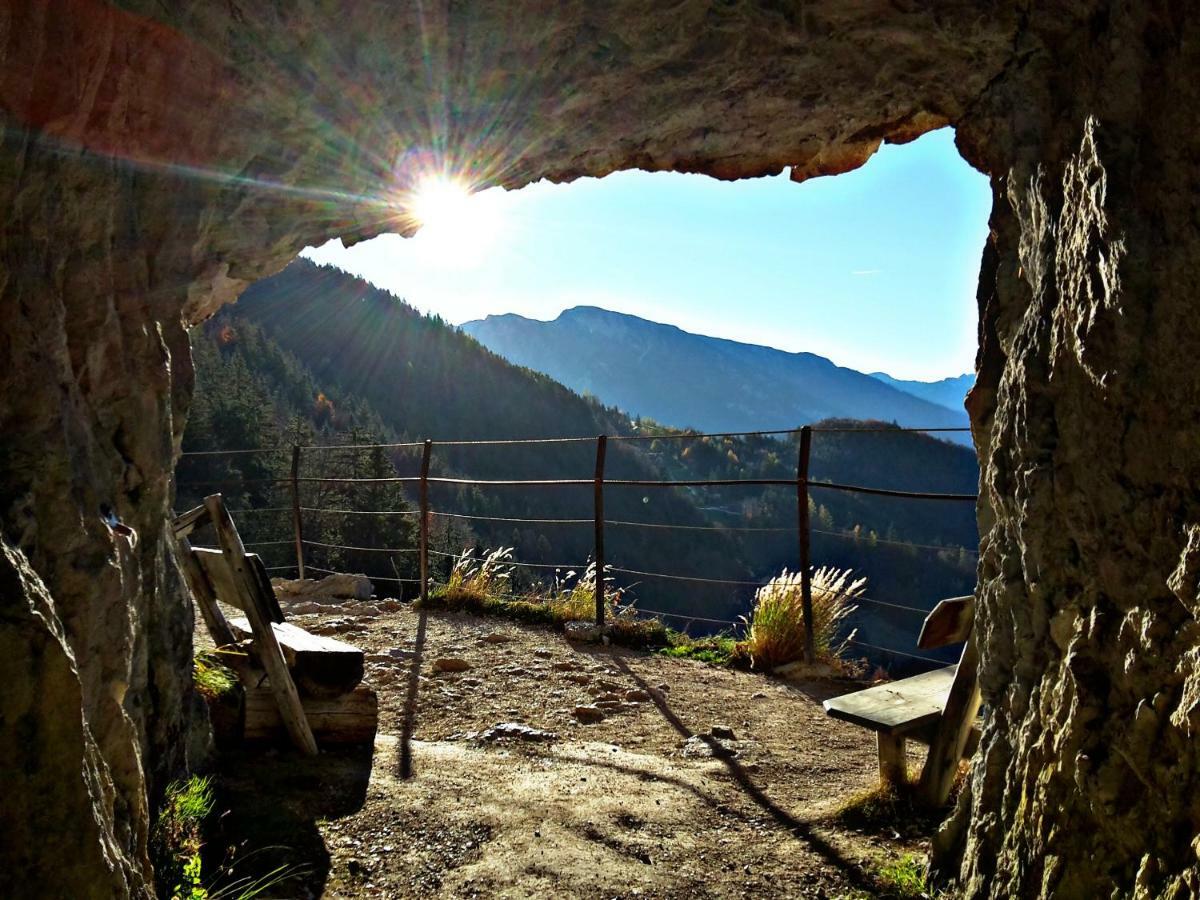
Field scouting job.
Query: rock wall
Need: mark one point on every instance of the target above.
(1087, 410)
(157, 157)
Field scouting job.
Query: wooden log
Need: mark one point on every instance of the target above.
(321, 666)
(954, 730)
(284, 689)
(893, 765)
(349, 719)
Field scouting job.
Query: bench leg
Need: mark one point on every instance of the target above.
(892, 769)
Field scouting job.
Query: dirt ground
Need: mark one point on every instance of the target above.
(644, 803)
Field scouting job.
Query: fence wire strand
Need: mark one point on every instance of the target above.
(368, 577)
(585, 482)
(450, 515)
(756, 584)
(309, 543)
(928, 659)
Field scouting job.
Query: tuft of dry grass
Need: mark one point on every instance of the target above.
(480, 578)
(775, 629)
(481, 586)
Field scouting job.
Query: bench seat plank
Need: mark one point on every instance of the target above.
(898, 707)
(321, 666)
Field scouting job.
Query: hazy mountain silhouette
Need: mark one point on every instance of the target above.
(691, 380)
(948, 392)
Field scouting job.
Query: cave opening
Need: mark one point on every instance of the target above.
(664, 300)
(159, 158)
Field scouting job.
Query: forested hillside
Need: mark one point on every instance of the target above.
(316, 357)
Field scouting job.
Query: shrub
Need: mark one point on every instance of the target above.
(775, 633)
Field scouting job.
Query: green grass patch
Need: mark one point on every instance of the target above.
(176, 846)
(178, 837)
(212, 679)
(637, 633)
(904, 877)
(716, 650)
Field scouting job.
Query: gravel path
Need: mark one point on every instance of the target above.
(693, 781)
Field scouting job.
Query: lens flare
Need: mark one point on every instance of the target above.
(457, 227)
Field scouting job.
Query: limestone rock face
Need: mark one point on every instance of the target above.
(1087, 419)
(157, 156)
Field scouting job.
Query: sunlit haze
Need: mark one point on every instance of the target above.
(458, 229)
(875, 269)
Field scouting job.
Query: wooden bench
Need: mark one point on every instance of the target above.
(938, 708)
(329, 700)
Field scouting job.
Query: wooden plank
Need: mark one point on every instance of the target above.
(349, 719)
(897, 707)
(255, 608)
(185, 524)
(947, 623)
(204, 595)
(927, 735)
(220, 576)
(321, 666)
(226, 583)
(265, 591)
(954, 730)
(893, 763)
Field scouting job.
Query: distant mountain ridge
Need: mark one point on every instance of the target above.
(947, 392)
(689, 380)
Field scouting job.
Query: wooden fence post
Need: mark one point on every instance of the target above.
(296, 521)
(426, 453)
(805, 535)
(598, 497)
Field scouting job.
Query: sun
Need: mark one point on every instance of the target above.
(457, 227)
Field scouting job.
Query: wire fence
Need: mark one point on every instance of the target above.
(802, 529)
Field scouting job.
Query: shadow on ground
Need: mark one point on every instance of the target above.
(799, 829)
(270, 802)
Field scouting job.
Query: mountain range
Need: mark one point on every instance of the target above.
(682, 379)
(948, 392)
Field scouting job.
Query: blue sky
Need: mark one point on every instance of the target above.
(875, 269)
